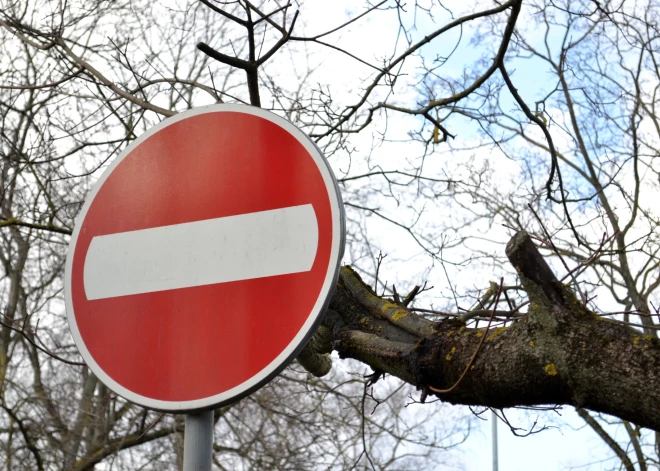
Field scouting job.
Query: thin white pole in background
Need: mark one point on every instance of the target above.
(493, 420)
(198, 442)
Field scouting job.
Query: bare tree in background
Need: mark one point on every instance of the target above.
(78, 82)
(76, 86)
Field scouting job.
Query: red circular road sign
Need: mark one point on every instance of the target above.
(203, 257)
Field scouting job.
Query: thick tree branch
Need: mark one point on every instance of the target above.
(314, 357)
(558, 353)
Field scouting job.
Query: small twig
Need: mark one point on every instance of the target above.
(512, 305)
(483, 302)
(379, 260)
(652, 327)
(371, 379)
(632, 311)
(514, 430)
(42, 227)
(481, 314)
(151, 426)
(25, 335)
(657, 311)
(593, 256)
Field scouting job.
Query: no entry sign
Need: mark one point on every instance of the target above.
(203, 258)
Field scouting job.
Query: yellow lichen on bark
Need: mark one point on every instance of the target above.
(400, 314)
(496, 333)
(450, 354)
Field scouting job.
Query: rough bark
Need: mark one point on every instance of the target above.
(559, 353)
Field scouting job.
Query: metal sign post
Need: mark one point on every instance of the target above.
(493, 421)
(198, 442)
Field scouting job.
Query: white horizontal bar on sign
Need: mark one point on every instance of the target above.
(233, 248)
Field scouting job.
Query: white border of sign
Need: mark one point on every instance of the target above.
(299, 341)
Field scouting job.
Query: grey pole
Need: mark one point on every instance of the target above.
(493, 420)
(198, 442)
